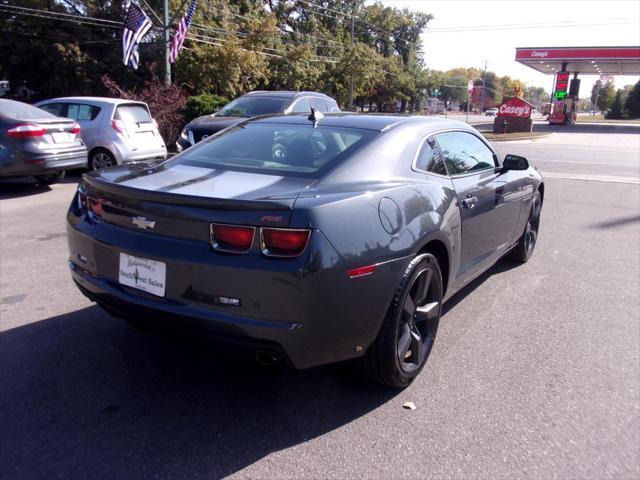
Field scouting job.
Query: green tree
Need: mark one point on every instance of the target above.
(632, 104)
(605, 93)
(617, 105)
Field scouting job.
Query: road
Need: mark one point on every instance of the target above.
(535, 372)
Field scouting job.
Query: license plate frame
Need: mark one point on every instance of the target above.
(143, 274)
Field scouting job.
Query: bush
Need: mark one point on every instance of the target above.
(166, 102)
(203, 104)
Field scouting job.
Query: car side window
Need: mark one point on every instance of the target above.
(54, 109)
(430, 160)
(79, 111)
(333, 106)
(319, 104)
(465, 153)
(302, 106)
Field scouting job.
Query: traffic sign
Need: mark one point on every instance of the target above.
(470, 87)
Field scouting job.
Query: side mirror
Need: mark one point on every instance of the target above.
(514, 162)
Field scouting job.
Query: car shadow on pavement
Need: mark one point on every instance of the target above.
(502, 265)
(17, 187)
(84, 395)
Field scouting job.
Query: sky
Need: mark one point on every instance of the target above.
(594, 23)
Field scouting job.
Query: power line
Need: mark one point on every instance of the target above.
(512, 26)
(62, 17)
(60, 14)
(375, 27)
(216, 41)
(264, 50)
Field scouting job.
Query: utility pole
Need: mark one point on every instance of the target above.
(484, 85)
(353, 28)
(167, 42)
(594, 105)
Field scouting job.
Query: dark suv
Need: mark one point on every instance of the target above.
(251, 105)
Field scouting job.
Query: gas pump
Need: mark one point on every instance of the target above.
(564, 99)
(558, 115)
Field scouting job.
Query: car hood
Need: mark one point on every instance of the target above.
(208, 125)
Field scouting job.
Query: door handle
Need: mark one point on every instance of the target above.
(470, 201)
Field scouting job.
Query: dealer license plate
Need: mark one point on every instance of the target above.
(62, 137)
(143, 274)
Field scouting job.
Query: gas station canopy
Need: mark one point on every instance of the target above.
(585, 60)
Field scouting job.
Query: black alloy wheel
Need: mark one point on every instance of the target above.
(419, 320)
(523, 251)
(409, 329)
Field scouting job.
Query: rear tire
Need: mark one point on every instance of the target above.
(523, 251)
(101, 159)
(50, 178)
(409, 329)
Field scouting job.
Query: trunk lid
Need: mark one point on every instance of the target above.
(182, 201)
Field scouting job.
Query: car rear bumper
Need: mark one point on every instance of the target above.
(139, 157)
(29, 163)
(308, 309)
(153, 149)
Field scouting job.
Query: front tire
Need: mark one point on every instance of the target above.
(409, 329)
(50, 178)
(523, 251)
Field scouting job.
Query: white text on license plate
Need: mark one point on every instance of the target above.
(143, 274)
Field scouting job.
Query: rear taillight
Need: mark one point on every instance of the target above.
(231, 238)
(95, 207)
(82, 197)
(75, 129)
(283, 242)
(25, 130)
(118, 126)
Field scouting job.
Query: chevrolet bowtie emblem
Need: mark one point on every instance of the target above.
(143, 223)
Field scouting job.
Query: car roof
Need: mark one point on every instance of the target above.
(96, 100)
(366, 121)
(284, 93)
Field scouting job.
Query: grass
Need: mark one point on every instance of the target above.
(600, 118)
(489, 135)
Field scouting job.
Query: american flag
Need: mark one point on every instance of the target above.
(178, 38)
(136, 26)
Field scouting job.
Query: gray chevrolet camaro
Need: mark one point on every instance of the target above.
(313, 239)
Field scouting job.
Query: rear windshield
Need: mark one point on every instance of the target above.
(133, 114)
(252, 106)
(22, 111)
(298, 150)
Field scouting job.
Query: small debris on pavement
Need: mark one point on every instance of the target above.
(409, 405)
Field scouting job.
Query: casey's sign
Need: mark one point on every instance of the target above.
(515, 107)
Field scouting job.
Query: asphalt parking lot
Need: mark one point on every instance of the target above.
(535, 372)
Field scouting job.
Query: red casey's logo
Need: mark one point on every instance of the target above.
(515, 107)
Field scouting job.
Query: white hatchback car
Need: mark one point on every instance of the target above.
(114, 130)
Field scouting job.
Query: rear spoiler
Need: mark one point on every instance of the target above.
(95, 183)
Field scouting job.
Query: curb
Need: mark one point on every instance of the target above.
(534, 137)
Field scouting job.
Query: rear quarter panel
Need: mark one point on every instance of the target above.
(385, 218)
